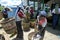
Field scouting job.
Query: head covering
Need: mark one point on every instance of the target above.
(43, 13)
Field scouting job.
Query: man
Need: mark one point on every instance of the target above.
(55, 13)
(18, 23)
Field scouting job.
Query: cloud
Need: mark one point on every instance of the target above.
(10, 2)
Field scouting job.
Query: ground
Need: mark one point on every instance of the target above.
(50, 34)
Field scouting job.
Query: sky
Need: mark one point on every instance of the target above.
(10, 2)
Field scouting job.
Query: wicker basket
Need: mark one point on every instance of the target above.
(32, 23)
(1, 15)
(9, 25)
(26, 26)
(2, 37)
(36, 29)
(31, 35)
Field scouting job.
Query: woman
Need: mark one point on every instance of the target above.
(42, 22)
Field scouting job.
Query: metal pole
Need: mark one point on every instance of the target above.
(42, 3)
(28, 2)
(34, 5)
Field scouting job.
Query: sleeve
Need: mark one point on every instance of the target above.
(15, 15)
(59, 10)
(53, 11)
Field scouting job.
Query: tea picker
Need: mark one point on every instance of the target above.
(41, 24)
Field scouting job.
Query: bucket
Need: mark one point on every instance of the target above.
(9, 25)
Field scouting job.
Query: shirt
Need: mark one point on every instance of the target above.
(53, 11)
(17, 18)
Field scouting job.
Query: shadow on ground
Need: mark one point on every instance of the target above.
(55, 32)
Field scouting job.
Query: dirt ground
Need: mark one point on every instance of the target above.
(50, 34)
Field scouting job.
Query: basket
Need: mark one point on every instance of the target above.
(1, 15)
(36, 28)
(26, 26)
(32, 23)
(2, 37)
(31, 35)
(9, 25)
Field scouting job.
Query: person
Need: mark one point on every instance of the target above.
(38, 11)
(31, 13)
(42, 22)
(5, 13)
(55, 12)
(18, 23)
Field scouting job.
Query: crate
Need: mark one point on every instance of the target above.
(9, 25)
